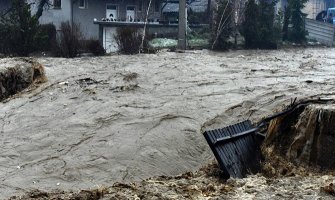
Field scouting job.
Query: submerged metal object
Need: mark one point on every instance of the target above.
(237, 147)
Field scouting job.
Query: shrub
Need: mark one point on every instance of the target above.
(250, 25)
(266, 25)
(18, 30)
(68, 42)
(46, 37)
(286, 22)
(128, 40)
(294, 22)
(197, 17)
(278, 26)
(95, 47)
(258, 27)
(298, 32)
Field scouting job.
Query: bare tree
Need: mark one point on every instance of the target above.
(42, 4)
(145, 26)
(224, 13)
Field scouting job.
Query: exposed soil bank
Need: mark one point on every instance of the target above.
(17, 74)
(103, 120)
(201, 185)
(305, 136)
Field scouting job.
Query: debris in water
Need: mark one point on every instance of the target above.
(18, 74)
(329, 189)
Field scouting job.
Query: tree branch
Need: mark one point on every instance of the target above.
(40, 7)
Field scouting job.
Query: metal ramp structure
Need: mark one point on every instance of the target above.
(236, 149)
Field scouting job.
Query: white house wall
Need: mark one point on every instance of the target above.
(54, 16)
(314, 7)
(96, 9)
(57, 16)
(84, 17)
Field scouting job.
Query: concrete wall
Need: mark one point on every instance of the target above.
(96, 9)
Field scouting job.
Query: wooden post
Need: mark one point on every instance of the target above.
(182, 25)
(101, 35)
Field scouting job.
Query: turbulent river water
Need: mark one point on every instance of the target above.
(101, 120)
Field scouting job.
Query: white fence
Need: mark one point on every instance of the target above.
(321, 31)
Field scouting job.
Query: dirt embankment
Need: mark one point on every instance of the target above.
(18, 74)
(204, 184)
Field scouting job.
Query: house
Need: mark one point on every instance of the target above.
(98, 19)
(170, 10)
(84, 12)
(57, 12)
(312, 7)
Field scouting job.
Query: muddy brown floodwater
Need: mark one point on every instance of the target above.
(101, 120)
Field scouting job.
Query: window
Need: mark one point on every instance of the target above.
(130, 13)
(112, 11)
(111, 7)
(82, 3)
(57, 4)
(131, 8)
